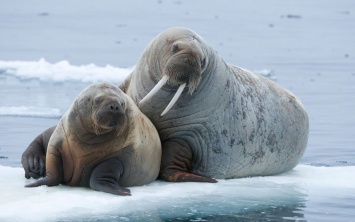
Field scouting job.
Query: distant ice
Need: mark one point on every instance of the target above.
(28, 111)
(305, 185)
(58, 73)
(267, 73)
(62, 71)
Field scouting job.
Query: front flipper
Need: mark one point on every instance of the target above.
(54, 170)
(105, 177)
(34, 157)
(176, 164)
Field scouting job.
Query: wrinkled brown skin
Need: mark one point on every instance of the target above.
(228, 122)
(103, 141)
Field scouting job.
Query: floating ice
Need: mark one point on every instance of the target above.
(267, 73)
(293, 191)
(62, 71)
(28, 111)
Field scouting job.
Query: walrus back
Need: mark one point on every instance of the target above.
(262, 129)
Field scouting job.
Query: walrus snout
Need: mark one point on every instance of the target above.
(116, 111)
(110, 115)
(114, 107)
(182, 69)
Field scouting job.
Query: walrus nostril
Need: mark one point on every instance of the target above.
(114, 107)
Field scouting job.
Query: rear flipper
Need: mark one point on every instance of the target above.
(180, 176)
(176, 164)
(48, 180)
(105, 178)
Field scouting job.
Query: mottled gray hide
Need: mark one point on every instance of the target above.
(236, 123)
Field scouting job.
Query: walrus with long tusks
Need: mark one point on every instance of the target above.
(215, 120)
(104, 142)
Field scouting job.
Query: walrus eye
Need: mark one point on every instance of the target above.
(175, 48)
(97, 102)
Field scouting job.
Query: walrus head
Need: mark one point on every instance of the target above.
(102, 109)
(109, 113)
(182, 67)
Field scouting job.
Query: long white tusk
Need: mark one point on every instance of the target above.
(174, 99)
(156, 88)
